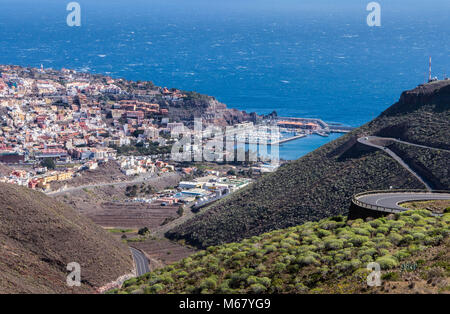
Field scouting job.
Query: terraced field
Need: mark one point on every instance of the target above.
(133, 215)
(163, 252)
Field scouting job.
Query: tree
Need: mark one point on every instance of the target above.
(48, 163)
(232, 172)
(136, 133)
(143, 231)
(131, 191)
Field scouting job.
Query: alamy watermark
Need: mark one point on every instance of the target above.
(74, 278)
(374, 278)
(242, 143)
(374, 17)
(74, 17)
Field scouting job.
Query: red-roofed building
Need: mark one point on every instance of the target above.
(41, 119)
(135, 115)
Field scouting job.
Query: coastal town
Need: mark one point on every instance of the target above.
(224, 153)
(111, 147)
(56, 125)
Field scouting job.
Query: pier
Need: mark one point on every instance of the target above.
(281, 141)
(298, 127)
(292, 138)
(317, 126)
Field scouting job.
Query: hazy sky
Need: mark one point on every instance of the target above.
(293, 6)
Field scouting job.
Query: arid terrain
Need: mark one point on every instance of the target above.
(438, 206)
(40, 236)
(110, 207)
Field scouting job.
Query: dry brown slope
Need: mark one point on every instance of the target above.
(4, 170)
(40, 236)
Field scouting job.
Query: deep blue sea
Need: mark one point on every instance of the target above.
(308, 58)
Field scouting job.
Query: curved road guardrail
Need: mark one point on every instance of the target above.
(388, 201)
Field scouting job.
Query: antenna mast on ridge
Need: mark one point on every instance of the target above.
(429, 76)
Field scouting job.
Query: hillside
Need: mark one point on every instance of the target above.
(4, 170)
(106, 172)
(329, 256)
(433, 165)
(40, 236)
(321, 184)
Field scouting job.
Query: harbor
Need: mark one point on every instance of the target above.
(286, 129)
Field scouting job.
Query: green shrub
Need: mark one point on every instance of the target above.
(358, 240)
(361, 274)
(334, 244)
(129, 282)
(344, 266)
(345, 234)
(391, 276)
(395, 238)
(265, 281)
(156, 288)
(369, 244)
(224, 288)
(323, 233)
(387, 262)
(257, 288)
(307, 260)
(366, 259)
(301, 288)
(317, 245)
(406, 239)
(436, 240)
(382, 230)
(270, 249)
(182, 273)
(297, 259)
(418, 236)
(367, 251)
(209, 283)
(279, 267)
(375, 223)
(328, 225)
(362, 231)
(355, 263)
(384, 245)
(396, 224)
(402, 254)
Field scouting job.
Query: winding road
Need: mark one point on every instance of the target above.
(389, 201)
(141, 262)
(392, 200)
(410, 144)
(370, 141)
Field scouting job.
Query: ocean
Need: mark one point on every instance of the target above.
(311, 58)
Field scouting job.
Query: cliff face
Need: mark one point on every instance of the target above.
(322, 183)
(435, 93)
(421, 116)
(39, 237)
(233, 116)
(209, 109)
